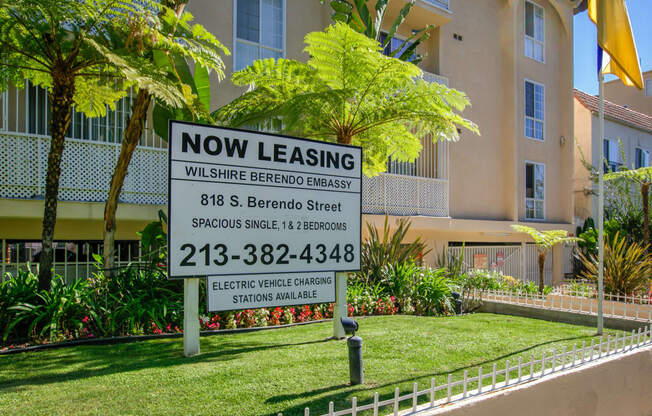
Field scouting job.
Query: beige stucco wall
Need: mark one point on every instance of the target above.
(586, 136)
(616, 92)
(619, 385)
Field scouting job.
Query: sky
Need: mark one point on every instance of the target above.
(584, 40)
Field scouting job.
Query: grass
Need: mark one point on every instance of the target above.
(263, 373)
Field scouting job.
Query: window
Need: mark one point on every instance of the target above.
(534, 110)
(260, 31)
(612, 155)
(105, 129)
(395, 44)
(648, 87)
(534, 31)
(534, 190)
(642, 158)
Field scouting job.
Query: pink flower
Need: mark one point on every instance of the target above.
(85, 319)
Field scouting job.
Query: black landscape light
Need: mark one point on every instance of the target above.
(356, 373)
(458, 303)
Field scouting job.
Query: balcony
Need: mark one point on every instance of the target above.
(418, 188)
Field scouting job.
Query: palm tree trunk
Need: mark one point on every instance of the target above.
(132, 135)
(542, 263)
(645, 188)
(61, 101)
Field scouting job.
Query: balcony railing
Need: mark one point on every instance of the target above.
(405, 195)
(86, 170)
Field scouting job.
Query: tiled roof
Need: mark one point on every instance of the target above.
(614, 111)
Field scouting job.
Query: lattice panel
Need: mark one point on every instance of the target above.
(404, 195)
(19, 167)
(86, 170)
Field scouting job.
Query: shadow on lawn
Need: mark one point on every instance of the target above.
(101, 360)
(343, 397)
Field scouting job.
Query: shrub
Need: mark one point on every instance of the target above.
(389, 250)
(627, 266)
(432, 292)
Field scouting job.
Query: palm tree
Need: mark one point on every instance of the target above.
(643, 178)
(59, 44)
(360, 19)
(349, 92)
(544, 240)
(168, 48)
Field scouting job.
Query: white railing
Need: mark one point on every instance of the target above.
(404, 195)
(86, 170)
(638, 308)
(511, 374)
(512, 261)
(444, 4)
(430, 77)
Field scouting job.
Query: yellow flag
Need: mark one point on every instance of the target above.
(615, 38)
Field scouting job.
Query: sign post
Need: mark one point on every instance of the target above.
(268, 219)
(191, 317)
(339, 309)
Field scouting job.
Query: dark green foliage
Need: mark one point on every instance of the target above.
(432, 293)
(359, 18)
(378, 252)
(154, 242)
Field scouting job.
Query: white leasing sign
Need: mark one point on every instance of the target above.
(224, 293)
(248, 203)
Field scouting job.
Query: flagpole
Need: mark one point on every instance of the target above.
(601, 201)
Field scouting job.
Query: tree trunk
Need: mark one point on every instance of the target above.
(61, 101)
(542, 263)
(645, 188)
(132, 135)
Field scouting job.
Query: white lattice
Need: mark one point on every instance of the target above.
(86, 170)
(404, 195)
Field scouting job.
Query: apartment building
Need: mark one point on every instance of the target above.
(622, 125)
(632, 98)
(513, 58)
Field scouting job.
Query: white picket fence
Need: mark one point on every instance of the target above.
(637, 308)
(509, 375)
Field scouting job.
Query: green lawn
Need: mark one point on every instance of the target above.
(263, 373)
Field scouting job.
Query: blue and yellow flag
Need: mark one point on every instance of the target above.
(615, 38)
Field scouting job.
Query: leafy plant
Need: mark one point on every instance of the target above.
(350, 93)
(377, 252)
(54, 312)
(544, 241)
(401, 280)
(432, 292)
(359, 18)
(627, 266)
(154, 242)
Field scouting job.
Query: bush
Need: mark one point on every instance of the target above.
(378, 252)
(627, 266)
(432, 293)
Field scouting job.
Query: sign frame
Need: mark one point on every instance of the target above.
(171, 122)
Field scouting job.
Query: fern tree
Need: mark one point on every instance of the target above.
(357, 15)
(545, 241)
(350, 93)
(641, 177)
(56, 44)
(166, 46)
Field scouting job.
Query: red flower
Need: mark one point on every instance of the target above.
(85, 319)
